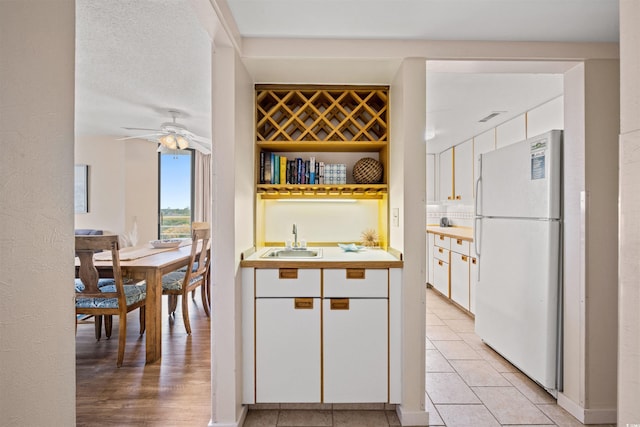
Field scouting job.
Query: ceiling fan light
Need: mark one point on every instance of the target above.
(169, 141)
(182, 142)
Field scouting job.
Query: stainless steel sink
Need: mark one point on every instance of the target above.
(293, 253)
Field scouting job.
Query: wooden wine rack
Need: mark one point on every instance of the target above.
(319, 118)
(331, 114)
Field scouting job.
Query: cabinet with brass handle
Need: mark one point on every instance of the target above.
(355, 335)
(460, 273)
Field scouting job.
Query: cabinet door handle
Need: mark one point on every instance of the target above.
(288, 273)
(440, 250)
(303, 303)
(459, 241)
(464, 258)
(448, 197)
(458, 197)
(441, 236)
(355, 273)
(339, 303)
(440, 263)
(473, 261)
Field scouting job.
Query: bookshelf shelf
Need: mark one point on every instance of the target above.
(337, 122)
(352, 191)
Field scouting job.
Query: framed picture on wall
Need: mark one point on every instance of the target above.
(81, 188)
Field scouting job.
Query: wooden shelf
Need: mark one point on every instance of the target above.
(337, 191)
(322, 146)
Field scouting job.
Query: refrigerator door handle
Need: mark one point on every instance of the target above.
(478, 182)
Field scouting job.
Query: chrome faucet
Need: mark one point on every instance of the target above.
(295, 236)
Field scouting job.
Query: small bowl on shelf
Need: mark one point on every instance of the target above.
(165, 243)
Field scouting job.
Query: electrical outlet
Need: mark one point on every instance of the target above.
(395, 215)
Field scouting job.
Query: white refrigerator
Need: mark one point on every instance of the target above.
(518, 244)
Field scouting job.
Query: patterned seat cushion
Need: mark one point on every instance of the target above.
(101, 283)
(173, 281)
(133, 293)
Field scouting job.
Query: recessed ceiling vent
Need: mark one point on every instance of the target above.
(490, 116)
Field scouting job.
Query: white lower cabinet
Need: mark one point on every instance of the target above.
(288, 350)
(441, 276)
(355, 350)
(322, 343)
(460, 279)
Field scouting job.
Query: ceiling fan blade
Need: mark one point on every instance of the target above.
(204, 148)
(155, 130)
(140, 136)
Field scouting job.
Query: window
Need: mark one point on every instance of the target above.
(176, 194)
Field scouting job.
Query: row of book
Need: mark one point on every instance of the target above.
(277, 169)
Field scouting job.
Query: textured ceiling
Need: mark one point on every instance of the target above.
(137, 59)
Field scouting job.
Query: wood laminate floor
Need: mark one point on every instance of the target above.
(175, 391)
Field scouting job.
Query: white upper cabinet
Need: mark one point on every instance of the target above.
(431, 177)
(463, 172)
(482, 143)
(445, 175)
(546, 117)
(515, 130)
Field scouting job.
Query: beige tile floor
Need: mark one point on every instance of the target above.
(467, 385)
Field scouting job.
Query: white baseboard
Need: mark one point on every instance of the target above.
(588, 416)
(412, 418)
(238, 423)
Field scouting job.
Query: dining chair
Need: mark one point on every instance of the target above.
(98, 298)
(180, 282)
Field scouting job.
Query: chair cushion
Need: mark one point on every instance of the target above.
(87, 232)
(173, 281)
(101, 283)
(184, 269)
(133, 293)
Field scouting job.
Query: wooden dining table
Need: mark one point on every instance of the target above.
(146, 263)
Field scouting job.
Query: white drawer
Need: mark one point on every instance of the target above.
(440, 254)
(355, 283)
(287, 282)
(460, 246)
(442, 241)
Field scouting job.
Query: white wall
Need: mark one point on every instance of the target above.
(407, 192)
(123, 185)
(37, 356)
(590, 248)
(233, 213)
(629, 231)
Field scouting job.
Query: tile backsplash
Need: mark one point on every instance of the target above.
(459, 215)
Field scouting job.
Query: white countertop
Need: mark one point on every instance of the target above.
(330, 255)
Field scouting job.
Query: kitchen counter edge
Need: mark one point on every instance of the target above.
(464, 233)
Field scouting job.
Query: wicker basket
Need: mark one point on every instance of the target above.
(367, 171)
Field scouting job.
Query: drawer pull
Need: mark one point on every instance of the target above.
(441, 236)
(439, 262)
(440, 250)
(339, 303)
(288, 273)
(464, 258)
(473, 261)
(459, 241)
(303, 303)
(355, 273)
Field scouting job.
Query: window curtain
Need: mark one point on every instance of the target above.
(202, 188)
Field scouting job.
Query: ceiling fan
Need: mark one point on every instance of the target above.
(173, 136)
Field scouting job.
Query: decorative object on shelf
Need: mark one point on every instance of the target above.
(367, 171)
(370, 238)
